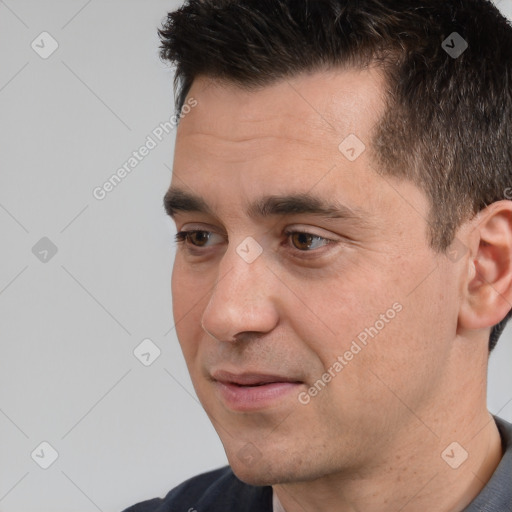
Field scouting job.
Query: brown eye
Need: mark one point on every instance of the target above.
(196, 238)
(199, 238)
(307, 241)
(302, 240)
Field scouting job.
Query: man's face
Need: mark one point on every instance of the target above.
(315, 341)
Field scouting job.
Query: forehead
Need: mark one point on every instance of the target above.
(317, 107)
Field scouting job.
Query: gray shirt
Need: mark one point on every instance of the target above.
(496, 496)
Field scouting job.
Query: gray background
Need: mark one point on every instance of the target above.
(70, 321)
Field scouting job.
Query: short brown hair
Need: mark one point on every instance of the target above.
(448, 68)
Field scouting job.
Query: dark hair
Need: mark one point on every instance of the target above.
(448, 121)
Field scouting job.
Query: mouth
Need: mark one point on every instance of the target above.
(253, 391)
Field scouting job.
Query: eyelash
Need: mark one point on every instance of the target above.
(182, 236)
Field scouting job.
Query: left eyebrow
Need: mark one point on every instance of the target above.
(299, 204)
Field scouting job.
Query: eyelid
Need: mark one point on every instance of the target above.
(310, 230)
(201, 226)
(181, 237)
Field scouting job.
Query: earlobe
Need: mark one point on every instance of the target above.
(488, 292)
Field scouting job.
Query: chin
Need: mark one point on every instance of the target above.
(252, 477)
(259, 474)
(270, 471)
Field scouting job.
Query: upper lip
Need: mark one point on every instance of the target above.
(249, 379)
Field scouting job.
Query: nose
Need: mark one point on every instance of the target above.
(243, 299)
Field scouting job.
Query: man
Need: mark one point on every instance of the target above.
(344, 264)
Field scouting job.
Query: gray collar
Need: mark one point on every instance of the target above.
(496, 496)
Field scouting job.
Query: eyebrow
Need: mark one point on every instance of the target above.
(177, 201)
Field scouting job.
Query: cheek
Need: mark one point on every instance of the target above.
(187, 288)
(342, 308)
(382, 325)
(186, 306)
(404, 359)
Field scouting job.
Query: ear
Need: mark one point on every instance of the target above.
(488, 290)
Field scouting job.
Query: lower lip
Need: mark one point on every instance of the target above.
(246, 398)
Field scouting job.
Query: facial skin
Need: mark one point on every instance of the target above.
(372, 438)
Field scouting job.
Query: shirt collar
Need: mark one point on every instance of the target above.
(496, 496)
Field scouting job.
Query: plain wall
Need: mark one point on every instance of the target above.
(70, 321)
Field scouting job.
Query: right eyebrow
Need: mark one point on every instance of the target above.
(176, 200)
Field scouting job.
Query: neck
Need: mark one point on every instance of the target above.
(420, 473)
